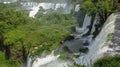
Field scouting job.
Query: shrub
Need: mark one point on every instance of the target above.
(108, 61)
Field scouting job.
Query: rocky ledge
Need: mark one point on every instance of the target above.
(115, 41)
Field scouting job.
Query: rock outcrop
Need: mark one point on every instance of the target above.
(115, 41)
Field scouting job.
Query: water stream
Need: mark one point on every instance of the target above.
(46, 6)
(45, 60)
(97, 48)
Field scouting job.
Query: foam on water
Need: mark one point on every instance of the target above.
(86, 23)
(46, 6)
(97, 48)
(42, 61)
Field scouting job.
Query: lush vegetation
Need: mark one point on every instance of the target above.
(108, 61)
(101, 8)
(22, 36)
(6, 63)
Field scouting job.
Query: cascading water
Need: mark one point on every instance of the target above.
(97, 48)
(8, 0)
(77, 8)
(42, 61)
(46, 6)
(84, 28)
(86, 23)
(48, 61)
(96, 21)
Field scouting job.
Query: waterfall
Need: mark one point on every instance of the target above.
(77, 8)
(84, 28)
(29, 62)
(86, 23)
(42, 61)
(8, 1)
(48, 61)
(96, 21)
(97, 48)
(55, 6)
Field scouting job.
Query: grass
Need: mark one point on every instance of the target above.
(6, 63)
(108, 61)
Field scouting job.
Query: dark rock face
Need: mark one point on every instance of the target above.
(118, 1)
(61, 42)
(69, 38)
(86, 43)
(116, 37)
(84, 50)
(115, 41)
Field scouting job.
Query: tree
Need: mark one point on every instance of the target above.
(21, 35)
(102, 8)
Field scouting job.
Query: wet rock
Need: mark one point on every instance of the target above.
(83, 49)
(68, 38)
(61, 42)
(86, 43)
(117, 50)
(111, 46)
(65, 48)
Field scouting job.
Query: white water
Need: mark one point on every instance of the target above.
(84, 28)
(97, 48)
(86, 23)
(8, 1)
(77, 7)
(54, 6)
(48, 61)
(29, 60)
(96, 21)
(42, 61)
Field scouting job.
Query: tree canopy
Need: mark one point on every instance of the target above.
(22, 36)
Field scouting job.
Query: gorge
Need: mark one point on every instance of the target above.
(89, 40)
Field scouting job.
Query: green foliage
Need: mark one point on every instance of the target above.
(75, 55)
(10, 19)
(6, 63)
(2, 60)
(62, 56)
(101, 7)
(24, 34)
(108, 61)
(89, 7)
(65, 48)
(13, 6)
